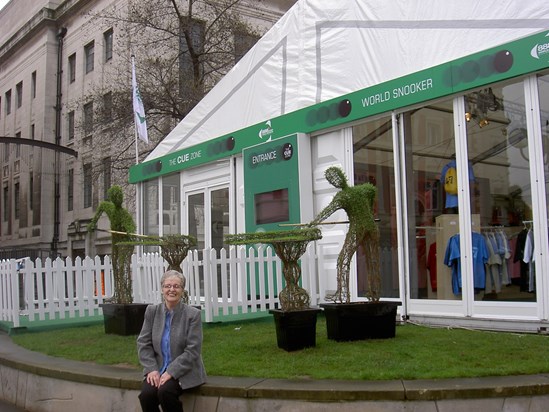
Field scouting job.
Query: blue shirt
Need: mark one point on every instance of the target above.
(452, 258)
(165, 342)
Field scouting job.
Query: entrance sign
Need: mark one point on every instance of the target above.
(277, 183)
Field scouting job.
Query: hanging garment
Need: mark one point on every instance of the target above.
(452, 258)
(528, 258)
(493, 280)
(432, 265)
(505, 252)
(519, 257)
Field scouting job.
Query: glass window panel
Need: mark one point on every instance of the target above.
(196, 219)
(373, 162)
(107, 44)
(33, 85)
(70, 190)
(19, 94)
(71, 124)
(150, 209)
(107, 176)
(219, 218)
(88, 119)
(72, 68)
(497, 147)
(107, 107)
(16, 200)
(171, 205)
(88, 184)
(8, 102)
(6, 203)
(432, 212)
(543, 88)
(89, 52)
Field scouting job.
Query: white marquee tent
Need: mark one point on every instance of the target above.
(321, 49)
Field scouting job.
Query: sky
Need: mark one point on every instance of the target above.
(3, 3)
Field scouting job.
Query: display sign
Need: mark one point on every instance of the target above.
(277, 183)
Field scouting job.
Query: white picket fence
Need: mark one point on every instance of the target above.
(236, 281)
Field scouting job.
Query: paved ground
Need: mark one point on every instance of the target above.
(8, 407)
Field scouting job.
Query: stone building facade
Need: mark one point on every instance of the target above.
(52, 54)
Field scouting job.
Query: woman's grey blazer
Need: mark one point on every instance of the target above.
(185, 344)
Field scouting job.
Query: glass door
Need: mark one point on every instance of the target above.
(497, 148)
(373, 162)
(208, 217)
(432, 202)
(196, 219)
(208, 221)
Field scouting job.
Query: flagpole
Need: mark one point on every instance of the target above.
(134, 123)
(138, 203)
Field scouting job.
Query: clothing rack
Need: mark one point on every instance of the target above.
(492, 227)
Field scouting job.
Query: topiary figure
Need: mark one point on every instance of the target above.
(358, 203)
(289, 246)
(120, 221)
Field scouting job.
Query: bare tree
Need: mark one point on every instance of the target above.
(182, 49)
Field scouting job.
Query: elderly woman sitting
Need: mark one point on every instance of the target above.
(169, 348)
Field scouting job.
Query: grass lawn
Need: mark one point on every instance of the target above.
(248, 348)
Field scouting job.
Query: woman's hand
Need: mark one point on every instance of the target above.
(165, 378)
(153, 378)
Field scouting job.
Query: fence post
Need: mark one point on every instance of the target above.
(137, 279)
(222, 262)
(14, 280)
(208, 293)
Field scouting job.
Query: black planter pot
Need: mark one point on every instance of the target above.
(361, 320)
(295, 330)
(123, 318)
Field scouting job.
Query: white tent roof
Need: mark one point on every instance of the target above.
(320, 50)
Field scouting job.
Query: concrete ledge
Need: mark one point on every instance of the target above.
(69, 385)
(328, 390)
(471, 388)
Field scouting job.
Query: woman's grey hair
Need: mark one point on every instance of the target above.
(173, 274)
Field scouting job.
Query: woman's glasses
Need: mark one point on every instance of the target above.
(172, 287)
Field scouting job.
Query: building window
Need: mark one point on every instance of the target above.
(72, 68)
(107, 41)
(89, 51)
(6, 200)
(8, 101)
(70, 190)
(106, 175)
(107, 106)
(6, 152)
(31, 192)
(16, 199)
(18, 146)
(32, 131)
(242, 43)
(19, 94)
(87, 185)
(71, 124)
(33, 85)
(88, 119)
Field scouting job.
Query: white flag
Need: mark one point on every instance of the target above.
(139, 111)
